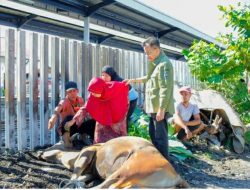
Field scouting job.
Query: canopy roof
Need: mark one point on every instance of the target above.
(117, 23)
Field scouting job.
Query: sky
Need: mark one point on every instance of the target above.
(203, 15)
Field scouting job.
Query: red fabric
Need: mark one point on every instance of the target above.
(113, 104)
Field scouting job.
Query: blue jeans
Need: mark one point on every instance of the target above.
(158, 132)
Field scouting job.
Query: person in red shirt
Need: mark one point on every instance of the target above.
(66, 110)
(108, 104)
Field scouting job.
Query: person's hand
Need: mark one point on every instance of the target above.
(52, 121)
(188, 132)
(69, 124)
(160, 115)
(127, 81)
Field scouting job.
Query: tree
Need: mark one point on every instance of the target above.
(226, 68)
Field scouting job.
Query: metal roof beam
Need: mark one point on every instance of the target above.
(179, 57)
(91, 10)
(22, 21)
(164, 32)
(101, 40)
(76, 22)
(79, 10)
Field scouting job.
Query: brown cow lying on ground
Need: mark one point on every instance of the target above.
(124, 162)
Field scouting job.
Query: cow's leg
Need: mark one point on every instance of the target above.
(115, 182)
(85, 177)
(68, 159)
(84, 160)
(107, 183)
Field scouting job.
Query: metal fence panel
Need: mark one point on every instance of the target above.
(33, 92)
(21, 92)
(44, 96)
(10, 133)
(59, 61)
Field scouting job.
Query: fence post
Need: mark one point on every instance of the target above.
(10, 132)
(67, 61)
(55, 82)
(85, 68)
(21, 92)
(63, 69)
(90, 61)
(73, 62)
(80, 69)
(0, 89)
(44, 99)
(33, 92)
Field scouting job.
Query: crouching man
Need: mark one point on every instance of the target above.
(65, 111)
(187, 121)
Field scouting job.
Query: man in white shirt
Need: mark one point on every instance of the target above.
(187, 121)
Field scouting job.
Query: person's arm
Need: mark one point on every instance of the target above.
(136, 80)
(151, 67)
(196, 121)
(178, 121)
(197, 118)
(54, 116)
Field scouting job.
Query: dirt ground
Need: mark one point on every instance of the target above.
(210, 169)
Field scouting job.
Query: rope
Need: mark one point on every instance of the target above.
(72, 184)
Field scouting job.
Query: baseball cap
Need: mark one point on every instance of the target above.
(70, 85)
(185, 89)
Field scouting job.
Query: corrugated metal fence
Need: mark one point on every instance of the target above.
(35, 69)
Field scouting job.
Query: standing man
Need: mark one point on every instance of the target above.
(158, 94)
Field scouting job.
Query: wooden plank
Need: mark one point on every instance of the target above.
(93, 62)
(133, 64)
(44, 98)
(110, 57)
(120, 63)
(85, 66)
(10, 133)
(79, 69)
(101, 57)
(82, 62)
(98, 63)
(127, 65)
(123, 64)
(55, 77)
(1, 88)
(21, 91)
(139, 74)
(66, 60)
(63, 68)
(90, 63)
(116, 60)
(73, 61)
(33, 92)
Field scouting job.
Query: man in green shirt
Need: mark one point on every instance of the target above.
(159, 102)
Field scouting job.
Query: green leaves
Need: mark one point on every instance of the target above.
(138, 125)
(247, 137)
(224, 69)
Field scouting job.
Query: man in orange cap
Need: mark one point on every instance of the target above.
(187, 121)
